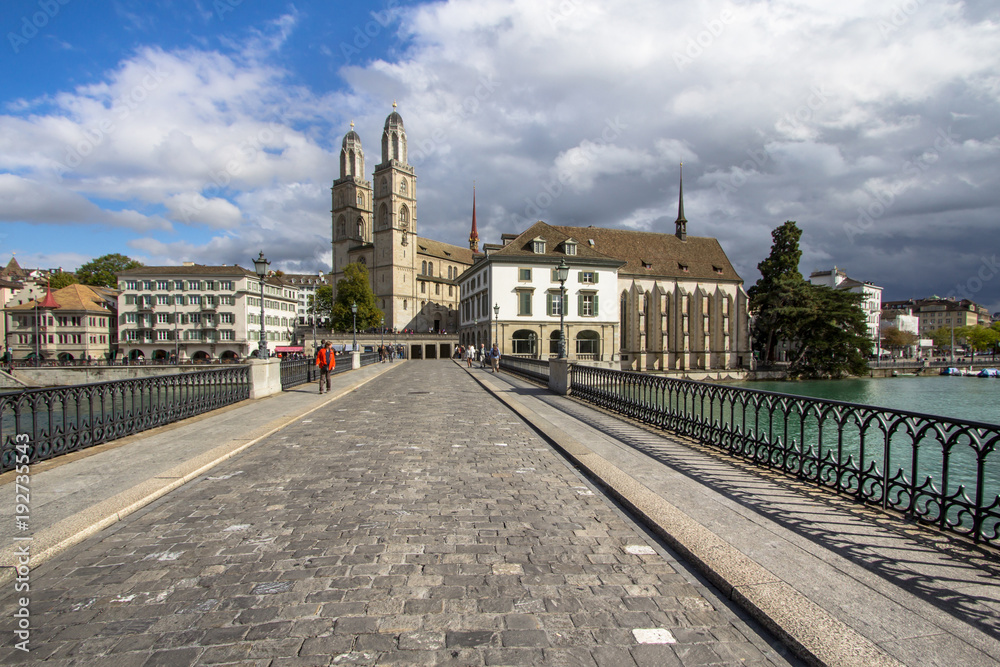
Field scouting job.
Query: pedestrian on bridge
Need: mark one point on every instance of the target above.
(495, 358)
(326, 361)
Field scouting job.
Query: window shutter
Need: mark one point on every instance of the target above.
(579, 277)
(597, 307)
(596, 276)
(548, 305)
(579, 304)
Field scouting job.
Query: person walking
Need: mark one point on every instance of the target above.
(495, 358)
(326, 362)
(483, 355)
(469, 355)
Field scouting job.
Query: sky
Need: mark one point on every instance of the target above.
(209, 130)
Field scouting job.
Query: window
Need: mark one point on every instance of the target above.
(163, 318)
(570, 247)
(524, 275)
(129, 318)
(162, 300)
(178, 284)
(423, 287)
(194, 318)
(430, 268)
(163, 284)
(162, 334)
(524, 302)
(437, 288)
(538, 245)
(227, 318)
(226, 335)
(194, 299)
(524, 342)
(587, 305)
(587, 277)
(451, 290)
(132, 284)
(553, 304)
(147, 284)
(588, 342)
(402, 186)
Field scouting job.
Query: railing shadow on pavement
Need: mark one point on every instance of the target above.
(939, 589)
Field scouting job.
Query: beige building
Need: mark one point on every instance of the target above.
(375, 223)
(646, 300)
(201, 313)
(936, 313)
(72, 324)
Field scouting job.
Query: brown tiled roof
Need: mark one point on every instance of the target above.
(649, 254)
(196, 269)
(74, 298)
(521, 245)
(444, 251)
(13, 270)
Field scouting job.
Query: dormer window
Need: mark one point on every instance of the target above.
(647, 265)
(569, 247)
(682, 267)
(538, 245)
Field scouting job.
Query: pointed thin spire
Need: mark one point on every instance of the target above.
(680, 225)
(474, 235)
(49, 302)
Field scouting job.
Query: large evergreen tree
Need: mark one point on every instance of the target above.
(824, 329)
(103, 271)
(774, 297)
(354, 288)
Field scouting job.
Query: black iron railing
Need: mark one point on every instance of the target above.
(939, 471)
(295, 372)
(66, 419)
(537, 369)
(369, 358)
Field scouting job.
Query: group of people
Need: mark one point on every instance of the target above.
(480, 355)
(386, 353)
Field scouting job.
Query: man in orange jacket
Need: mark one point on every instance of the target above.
(326, 362)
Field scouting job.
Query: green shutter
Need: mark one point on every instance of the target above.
(579, 277)
(548, 305)
(597, 308)
(579, 304)
(596, 277)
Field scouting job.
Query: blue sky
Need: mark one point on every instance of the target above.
(206, 131)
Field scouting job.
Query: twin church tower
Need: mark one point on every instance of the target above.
(375, 223)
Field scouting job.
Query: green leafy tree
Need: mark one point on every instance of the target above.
(824, 329)
(62, 279)
(979, 338)
(941, 337)
(773, 296)
(104, 270)
(830, 336)
(354, 288)
(894, 339)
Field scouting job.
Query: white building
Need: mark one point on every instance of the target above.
(305, 285)
(201, 313)
(872, 295)
(519, 278)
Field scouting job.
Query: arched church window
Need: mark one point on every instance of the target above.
(361, 199)
(430, 268)
(341, 227)
(360, 227)
(383, 217)
(404, 217)
(402, 186)
(423, 268)
(383, 187)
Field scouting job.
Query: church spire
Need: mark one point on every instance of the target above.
(680, 224)
(474, 235)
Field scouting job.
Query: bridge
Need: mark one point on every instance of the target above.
(426, 513)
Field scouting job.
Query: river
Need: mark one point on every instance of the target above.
(966, 398)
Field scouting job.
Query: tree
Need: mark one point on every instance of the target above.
(771, 298)
(979, 338)
(894, 339)
(103, 271)
(824, 329)
(354, 288)
(62, 279)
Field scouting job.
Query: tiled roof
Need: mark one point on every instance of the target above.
(554, 237)
(649, 254)
(444, 251)
(193, 270)
(75, 298)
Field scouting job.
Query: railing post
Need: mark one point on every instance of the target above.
(560, 376)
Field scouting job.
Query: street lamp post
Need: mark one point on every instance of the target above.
(319, 279)
(354, 326)
(562, 273)
(381, 332)
(496, 324)
(260, 267)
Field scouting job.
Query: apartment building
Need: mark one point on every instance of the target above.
(201, 313)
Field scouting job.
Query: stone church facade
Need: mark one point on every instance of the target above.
(375, 223)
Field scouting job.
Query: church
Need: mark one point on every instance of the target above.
(375, 223)
(676, 303)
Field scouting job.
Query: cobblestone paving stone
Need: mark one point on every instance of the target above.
(416, 521)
